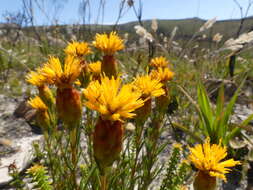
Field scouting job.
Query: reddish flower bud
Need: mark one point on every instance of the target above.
(204, 181)
(109, 66)
(68, 104)
(107, 142)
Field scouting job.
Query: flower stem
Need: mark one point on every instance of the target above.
(74, 154)
(103, 182)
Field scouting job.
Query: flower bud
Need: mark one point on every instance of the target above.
(143, 112)
(204, 181)
(46, 95)
(107, 142)
(68, 104)
(109, 66)
(163, 101)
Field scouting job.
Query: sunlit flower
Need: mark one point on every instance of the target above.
(208, 159)
(114, 103)
(36, 168)
(77, 49)
(108, 44)
(37, 104)
(39, 80)
(95, 67)
(111, 100)
(42, 116)
(162, 74)
(68, 101)
(159, 62)
(78, 82)
(62, 77)
(148, 86)
(36, 78)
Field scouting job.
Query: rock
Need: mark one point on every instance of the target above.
(22, 157)
(23, 110)
(16, 139)
(241, 112)
(213, 86)
(230, 87)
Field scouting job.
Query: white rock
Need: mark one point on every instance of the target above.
(21, 159)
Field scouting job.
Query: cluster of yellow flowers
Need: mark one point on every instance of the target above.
(114, 101)
(104, 93)
(161, 71)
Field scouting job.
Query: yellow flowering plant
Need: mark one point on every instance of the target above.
(113, 108)
(161, 62)
(207, 158)
(108, 44)
(87, 142)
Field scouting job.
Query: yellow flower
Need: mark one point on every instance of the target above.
(77, 82)
(39, 80)
(37, 104)
(162, 74)
(61, 77)
(148, 87)
(159, 62)
(207, 158)
(108, 44)
(95, 67)
(36, 168)
(36, 78)
(77, 49)
(111, 101)
(42, 116)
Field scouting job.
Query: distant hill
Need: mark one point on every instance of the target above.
(186, 28)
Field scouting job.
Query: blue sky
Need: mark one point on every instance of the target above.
(68, 12)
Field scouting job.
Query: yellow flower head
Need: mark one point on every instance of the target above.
(108, 44)
(37, 104)
(148, 87)
(78, 82)
(61, 77)
(111, 100)
(207, 158)
(77, 49)
(159, 62)
(36, 78)
(36, 169)
(162, 74)
(95, 67)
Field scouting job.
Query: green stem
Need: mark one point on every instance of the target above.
(138, 144)
(103, 182)
(74, 154)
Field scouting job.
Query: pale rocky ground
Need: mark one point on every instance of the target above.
(16, 138)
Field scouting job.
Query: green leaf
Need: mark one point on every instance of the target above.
(206, 112)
